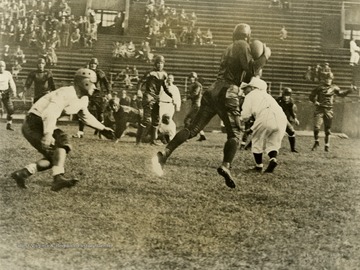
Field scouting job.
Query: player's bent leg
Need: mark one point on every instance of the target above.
(59, 180)
(273, 161)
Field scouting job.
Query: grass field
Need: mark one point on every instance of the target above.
(306, 215)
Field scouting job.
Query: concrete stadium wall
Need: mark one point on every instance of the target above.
(346, 118)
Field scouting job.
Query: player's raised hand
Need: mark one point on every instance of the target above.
(267, 51)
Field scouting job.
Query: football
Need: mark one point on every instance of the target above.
(257, 48)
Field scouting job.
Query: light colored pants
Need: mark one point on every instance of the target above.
(268, 131)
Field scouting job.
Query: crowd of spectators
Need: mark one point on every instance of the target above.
(128, 50)
(128, 76)
(167, 27)
(45, 25)
(313, 73)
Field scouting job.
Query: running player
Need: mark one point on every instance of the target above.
(222, 99)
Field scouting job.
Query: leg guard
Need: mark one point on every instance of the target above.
(230, 148)
(179, 139)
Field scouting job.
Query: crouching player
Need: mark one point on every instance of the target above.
(167, 129)
(122, 116)
(40, 130)
(286, 103)
(270, 122)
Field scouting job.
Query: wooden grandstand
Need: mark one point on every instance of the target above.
(286, 67)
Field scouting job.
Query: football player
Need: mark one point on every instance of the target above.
(40, 130)
(7, 91)
(97, 102)
(323, 98)
(269, 124)
(286, 103)
(222, 99)
(194, 95)
(154, 81)
(43, 80)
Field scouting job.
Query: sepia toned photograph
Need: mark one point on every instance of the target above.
(180, 134)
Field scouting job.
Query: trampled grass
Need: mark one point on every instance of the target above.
(122, 216)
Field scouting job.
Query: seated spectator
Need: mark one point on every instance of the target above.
(15, 70)
(53, 40)
(32, 39)
(171, 39)
(325, 69)
(123, 49)
(308, 74)
(125, 100)
(116, 49)
(75, 39)
(51, 56)
(65, 11)
(283, 33)
(192, 20)
(130, 50)
(183, 18)
(183, 34)
(124, 77)
(134, 74)
(6, 54)
(21, 9)
(10, 33)
(190, 36)
(19, 55)
(208, 37)
(145, 52)
(198, 38)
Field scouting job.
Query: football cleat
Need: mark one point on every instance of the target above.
(294, 151)
(316, 145)
(326, 148)
(272, 165)
(78, 135)
(9, 127)
(201, 138)
(20, 176)
(225, 172)
(61, 182)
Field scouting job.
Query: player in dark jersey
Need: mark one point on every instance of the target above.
(43, 80)
(153, 81)
(97, 102)
(122, 115)
(323, 98)
(222, 99)
(194, 94)
(287, 104)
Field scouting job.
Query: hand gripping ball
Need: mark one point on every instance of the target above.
(257, 48)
